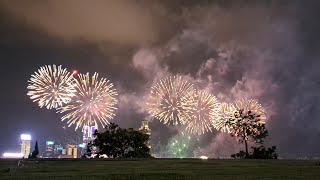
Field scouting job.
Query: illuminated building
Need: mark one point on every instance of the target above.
(72, 151)
(49, 146)
(145, 130)
(88, 132)
(82, 148)
(88, 136)
(64, 151)
(58, 150)
(49, 149)
(25, 140)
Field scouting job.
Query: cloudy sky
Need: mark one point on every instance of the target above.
(267, 50)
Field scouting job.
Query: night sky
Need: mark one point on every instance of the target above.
(267, 50)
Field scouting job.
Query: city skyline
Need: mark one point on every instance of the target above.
(70, 147)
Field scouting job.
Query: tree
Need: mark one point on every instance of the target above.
(258, 153)
(118, 142)
(35, 153)
(247, 127)
(263, 153)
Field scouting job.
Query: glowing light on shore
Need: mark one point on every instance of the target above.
(12, 155)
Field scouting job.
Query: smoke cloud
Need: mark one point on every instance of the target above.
(123, 22)
(235, 53)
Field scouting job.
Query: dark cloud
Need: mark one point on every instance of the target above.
(263, 50)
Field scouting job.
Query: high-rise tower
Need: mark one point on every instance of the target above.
(88, 132)
(25, 140)
(49, 149)
(145, 130)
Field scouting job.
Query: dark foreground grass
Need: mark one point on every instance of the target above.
(166, 169)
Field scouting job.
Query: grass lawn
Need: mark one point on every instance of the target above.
(165, 169)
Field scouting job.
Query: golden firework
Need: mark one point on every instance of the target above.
(170, 99)
(94, 101)
(227, 110)
(51, 86)
(205, 111)
(251, 105)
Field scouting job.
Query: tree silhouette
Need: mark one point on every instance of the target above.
(247, 127)
(263, 153)
(118, 142)
(35, 153)
(258, 153)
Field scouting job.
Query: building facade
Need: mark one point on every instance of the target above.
(146, 130)
(49, 153)
(25, 144)
(72, 151)
(88, 132)
(58, 149)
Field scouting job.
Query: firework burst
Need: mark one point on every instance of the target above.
(251, 105)
(51, 86)
(169, 100)
(182, 145)
(229, 111)
(205, 110)
(94, 101)
(226, 111)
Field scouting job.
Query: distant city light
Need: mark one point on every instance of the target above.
(49, 142)
(12, 155)
(203, 157)
(26, 137)
(82, 145)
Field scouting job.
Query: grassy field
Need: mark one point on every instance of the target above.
(165, 169)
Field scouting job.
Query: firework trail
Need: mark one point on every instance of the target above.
(169, 100)
(94, 101)
(205, 110)
(51, 86)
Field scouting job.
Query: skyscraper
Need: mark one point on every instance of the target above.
(88, 132)
(49, 149)
(25, 140)
(145, 130)
(49, 146)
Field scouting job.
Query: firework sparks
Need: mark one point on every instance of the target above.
(94, 101)
(229, 111)
(51, 86)
(205, 110)
(251, 105)
(226, 111)
(169, 100)
(182, 146)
